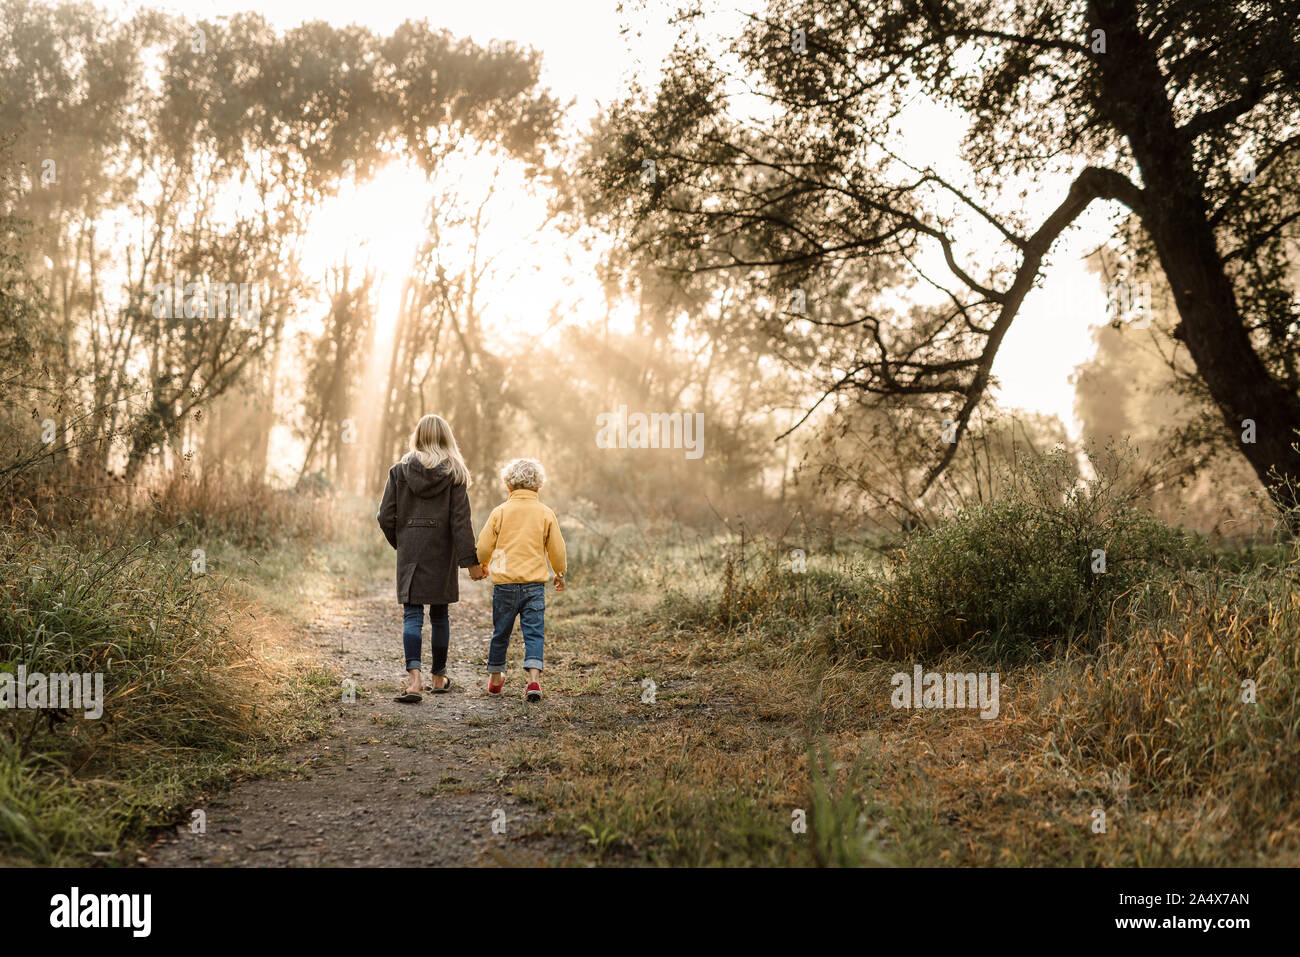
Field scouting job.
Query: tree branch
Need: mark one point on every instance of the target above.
(1093, 183)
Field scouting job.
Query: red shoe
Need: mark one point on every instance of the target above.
(533, 692)
(496, 689)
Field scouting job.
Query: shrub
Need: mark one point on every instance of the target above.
(235, 508)
(181, 690)
(1051, 560)
(1016, 570)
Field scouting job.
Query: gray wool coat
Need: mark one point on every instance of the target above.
(425, 516)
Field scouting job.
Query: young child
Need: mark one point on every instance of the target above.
(519, 537)
(425, 516)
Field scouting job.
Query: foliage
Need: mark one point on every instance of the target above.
(814, 199)
(1022, 569)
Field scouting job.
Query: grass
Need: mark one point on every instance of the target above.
(694, 777)
(1164, 698)
(203, 676)
(753, 724)
(1154, 724)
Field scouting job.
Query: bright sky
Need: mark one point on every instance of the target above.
(1053, 332)
(586, 57)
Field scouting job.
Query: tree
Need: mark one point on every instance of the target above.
(1139, 388)
(1146, 105)
(333, 367)
(204, 173)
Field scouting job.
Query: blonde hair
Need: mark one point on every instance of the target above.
(524, 473)
(433, 443)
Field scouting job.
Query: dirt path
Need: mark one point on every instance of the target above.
(392, 784)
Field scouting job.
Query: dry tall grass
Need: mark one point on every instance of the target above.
(138, 588)
(1155, 723)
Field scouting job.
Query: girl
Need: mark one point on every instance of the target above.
(425, 516)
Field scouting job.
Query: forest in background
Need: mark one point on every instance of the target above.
(135, 161)
(196, 416)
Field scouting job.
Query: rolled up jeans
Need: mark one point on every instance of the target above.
(527, 602)
(439, 636)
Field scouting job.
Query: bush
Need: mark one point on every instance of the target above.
(1016, 570)
(181, 691)
(244, 511)
(1052, 560)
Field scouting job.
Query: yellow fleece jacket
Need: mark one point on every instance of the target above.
(520, 535)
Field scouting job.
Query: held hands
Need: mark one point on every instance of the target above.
(480, 572)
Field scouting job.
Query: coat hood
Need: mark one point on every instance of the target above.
(426, 483)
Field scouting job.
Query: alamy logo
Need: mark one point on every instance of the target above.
(69, 692)
(208, 300)
(935, 690)
(654, 430)
(102, 910)
(1129, 302)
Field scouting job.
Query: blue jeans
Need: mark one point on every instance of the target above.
(439, 636)
(527, 602)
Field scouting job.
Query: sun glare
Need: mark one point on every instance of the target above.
(377, 224)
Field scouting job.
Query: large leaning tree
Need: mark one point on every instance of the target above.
(1183, 116)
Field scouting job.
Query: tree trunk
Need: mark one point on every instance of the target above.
(1218, 343)
(1178, 221)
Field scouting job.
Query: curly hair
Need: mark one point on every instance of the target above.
(524, 473)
